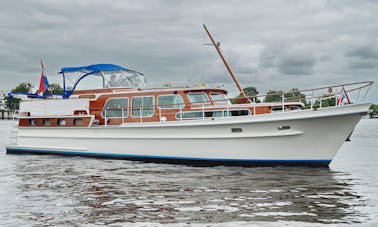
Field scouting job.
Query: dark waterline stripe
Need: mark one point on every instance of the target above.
(176, 160)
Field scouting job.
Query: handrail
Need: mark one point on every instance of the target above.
(312, 98)
(301, 92)
(366, 83)
(362, 85)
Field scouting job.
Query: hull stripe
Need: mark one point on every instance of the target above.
(170, 159)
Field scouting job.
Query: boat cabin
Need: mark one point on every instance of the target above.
(105, 94)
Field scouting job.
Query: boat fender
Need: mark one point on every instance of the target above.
(163, 119)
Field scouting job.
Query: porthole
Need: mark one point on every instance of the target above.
(32, 122)
(78, 121)
(236, 130)
(62, 122)
(46, 122)
(283, 127)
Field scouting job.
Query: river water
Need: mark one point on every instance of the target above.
(73, 191)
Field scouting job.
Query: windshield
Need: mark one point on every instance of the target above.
(104, 79)
(198, 97)
(218, 98)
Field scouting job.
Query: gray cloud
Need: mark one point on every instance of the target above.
(363, 56)
(291, 60)
(367, 51)
(296, 62)
(269, 44)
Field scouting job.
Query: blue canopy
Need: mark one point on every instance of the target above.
(93, 68)
(87, 71)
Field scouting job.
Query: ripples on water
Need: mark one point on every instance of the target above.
(55, 190)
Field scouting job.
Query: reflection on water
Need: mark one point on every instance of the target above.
(58, 190)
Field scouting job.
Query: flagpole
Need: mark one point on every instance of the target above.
(346, 95)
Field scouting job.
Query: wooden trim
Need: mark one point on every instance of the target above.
(63, 121)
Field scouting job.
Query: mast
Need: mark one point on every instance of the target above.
(216, 45)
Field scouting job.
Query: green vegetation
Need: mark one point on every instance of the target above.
(12, 103)
(327, 100)
(56, 89)
(273, 96)
(24, 87)
(251, 92)
(374, 107)
(294, 95)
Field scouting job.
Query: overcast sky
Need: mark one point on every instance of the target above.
(269, 44)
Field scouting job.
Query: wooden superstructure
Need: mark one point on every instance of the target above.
(131, 105)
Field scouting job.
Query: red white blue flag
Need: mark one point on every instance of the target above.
(43, 83)
(341, 98)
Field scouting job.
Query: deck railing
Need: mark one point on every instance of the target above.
(316, 98)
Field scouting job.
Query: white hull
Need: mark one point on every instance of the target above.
(314, 137)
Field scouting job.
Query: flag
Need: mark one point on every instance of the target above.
(43, 83)
(341, 98)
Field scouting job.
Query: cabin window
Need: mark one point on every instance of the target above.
(61, 122)
(200, 97)
(188, 115)
(235, 113)
(218, 98)
(115, 108)
(78, 121)
(216, 113)
(170, 102)
(294, 108)
(219, 113)
(46, 122)
(32, 122)
(277, 109)
(143, 106)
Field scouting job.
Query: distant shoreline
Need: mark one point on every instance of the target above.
(7, 115)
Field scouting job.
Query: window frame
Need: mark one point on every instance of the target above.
(128, 107)
(143, 116)
(180, 106)
(224, 101)
(206, 102)
(213, 111)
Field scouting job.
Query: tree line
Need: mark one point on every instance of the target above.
(11, 103)
(293, 95)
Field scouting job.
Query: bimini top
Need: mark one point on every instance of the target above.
(93, 68)
(99, 76)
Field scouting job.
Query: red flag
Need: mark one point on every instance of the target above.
(43, 83)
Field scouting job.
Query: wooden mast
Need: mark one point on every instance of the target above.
(216, 45)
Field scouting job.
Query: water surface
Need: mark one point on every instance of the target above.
(55, 190)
